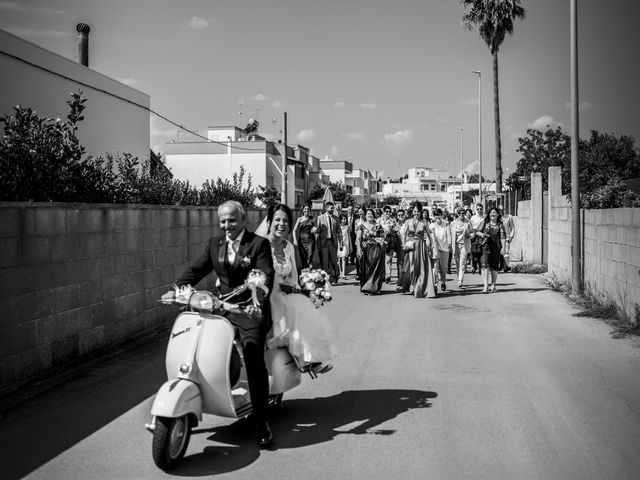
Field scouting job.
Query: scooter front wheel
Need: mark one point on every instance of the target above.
(170, 441)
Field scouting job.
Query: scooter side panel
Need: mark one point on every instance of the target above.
(177, 397)
(283, 370)
(214, 358)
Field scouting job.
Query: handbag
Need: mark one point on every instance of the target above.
(392, 241)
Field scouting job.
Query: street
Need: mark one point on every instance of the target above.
(508, 385)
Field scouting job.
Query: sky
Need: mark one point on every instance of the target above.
(383, 84)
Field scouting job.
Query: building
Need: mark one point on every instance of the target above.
(228, 148)
(427, 185)
(116, 117)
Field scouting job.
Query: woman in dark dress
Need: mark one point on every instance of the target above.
(304, 238)
(492, 235)
(370, 252)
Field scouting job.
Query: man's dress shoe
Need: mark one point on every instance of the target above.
(265, 437)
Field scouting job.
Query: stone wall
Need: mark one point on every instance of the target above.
(77, 280)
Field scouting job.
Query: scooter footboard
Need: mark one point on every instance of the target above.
(177, 397)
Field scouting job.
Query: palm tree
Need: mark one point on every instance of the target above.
(494, 19)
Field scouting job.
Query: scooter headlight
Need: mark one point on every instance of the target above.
(202, 301)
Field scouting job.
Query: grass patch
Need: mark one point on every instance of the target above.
(528, 267)
(602, 307)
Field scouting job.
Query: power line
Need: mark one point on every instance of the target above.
(144, 107)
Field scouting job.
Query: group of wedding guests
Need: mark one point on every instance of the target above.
(422, 242)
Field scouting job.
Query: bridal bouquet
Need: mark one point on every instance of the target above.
(315, 285)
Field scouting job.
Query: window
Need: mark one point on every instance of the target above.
(443, 188)
(433, 186)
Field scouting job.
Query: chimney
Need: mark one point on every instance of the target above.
(83, 45)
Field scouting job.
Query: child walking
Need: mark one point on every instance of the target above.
(345, 251)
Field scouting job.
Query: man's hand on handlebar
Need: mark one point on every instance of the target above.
(254, 311)
(168, 297)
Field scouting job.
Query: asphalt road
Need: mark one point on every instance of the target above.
(508, 385)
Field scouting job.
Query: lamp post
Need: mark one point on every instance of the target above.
(461, 160)
(479, 73)
(576, 254)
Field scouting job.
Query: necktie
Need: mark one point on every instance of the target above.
(330, 227)
(232, 245)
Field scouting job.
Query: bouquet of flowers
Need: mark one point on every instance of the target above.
(315, 285)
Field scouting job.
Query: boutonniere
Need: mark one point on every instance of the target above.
(246, 262)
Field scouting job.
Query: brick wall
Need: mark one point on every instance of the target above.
(76, 280)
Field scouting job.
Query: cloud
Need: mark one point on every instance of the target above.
(260, 97)
(278, 104)
(472, 102)
(29, 32)
(368, 106)
(355, 136)
(306, 135)
(197, 23)
(15, 7)
(442, 120)
(546, 122)
(338, 104)
(157, 131)
(335, 151)
(398, 140)
(582, 106)
(129, 81)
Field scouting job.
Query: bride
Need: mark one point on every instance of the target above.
(297, 323)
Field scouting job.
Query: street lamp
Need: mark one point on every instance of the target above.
(479, 73)
(461, 161)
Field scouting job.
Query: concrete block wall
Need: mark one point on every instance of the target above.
(611, 242)
(610, 245)
(77, 280)
(521, 245)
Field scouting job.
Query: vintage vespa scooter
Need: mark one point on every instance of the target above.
(206, 371)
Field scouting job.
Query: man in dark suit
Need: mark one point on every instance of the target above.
(329, 240)
(232, 257)
(351, 222)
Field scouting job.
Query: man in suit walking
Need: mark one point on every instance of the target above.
(329, 240)
(351, 222)
(232, 257)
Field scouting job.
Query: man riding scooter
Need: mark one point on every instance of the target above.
(232, 257)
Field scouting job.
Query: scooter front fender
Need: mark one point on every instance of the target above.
(176, 398)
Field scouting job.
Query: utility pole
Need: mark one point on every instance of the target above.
(283, 194)
(479, 73)
(576, 253)
(461, 162)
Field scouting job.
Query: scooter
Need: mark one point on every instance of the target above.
(206, 371)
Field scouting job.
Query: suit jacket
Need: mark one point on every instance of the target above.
(323, 228)
(253, 252)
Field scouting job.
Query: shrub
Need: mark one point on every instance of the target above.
(41, 159)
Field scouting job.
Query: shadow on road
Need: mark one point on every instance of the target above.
(304, 422)
(76, 405)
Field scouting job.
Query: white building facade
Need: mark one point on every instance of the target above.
(116, 117)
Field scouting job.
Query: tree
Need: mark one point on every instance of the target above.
(339, 191)
(605, 161)
(494, 19)
(391, 200)
(269, 196)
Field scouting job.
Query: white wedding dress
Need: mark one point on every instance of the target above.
(297, 323)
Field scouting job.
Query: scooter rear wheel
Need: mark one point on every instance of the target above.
(170, 441)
